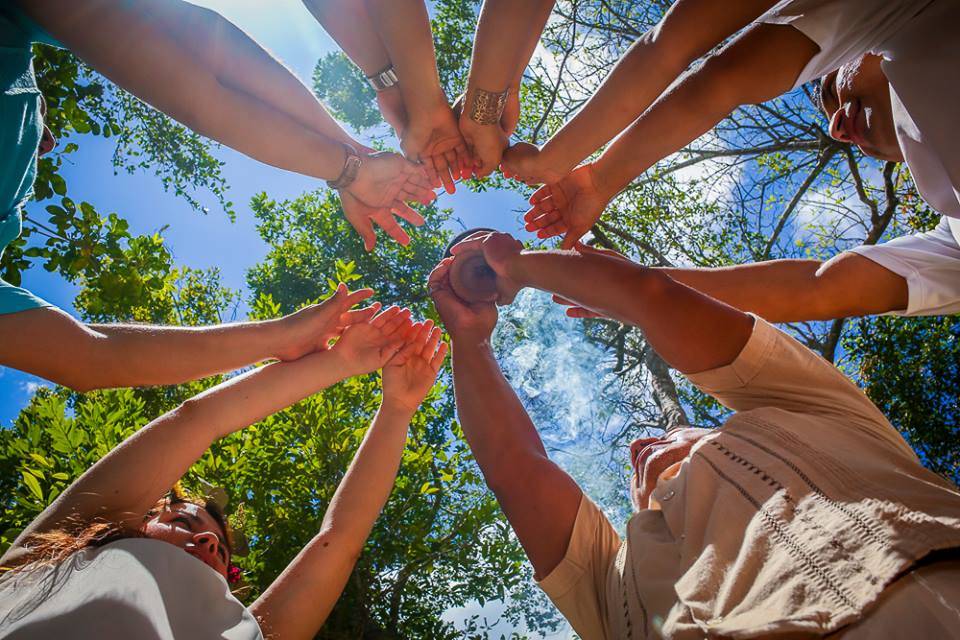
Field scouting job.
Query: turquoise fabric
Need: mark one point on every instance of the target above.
(21, 127)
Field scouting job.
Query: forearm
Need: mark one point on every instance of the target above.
(121, 39)
(758, 66)
(497, 59)
(350, 24)
(802, 290)
(493, 419)
(691, 331)
(688, 30)
(135, 355)
(300, 599)
(539, 499)
(404, 27)
(123, 485)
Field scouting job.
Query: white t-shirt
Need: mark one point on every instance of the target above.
(920, 43)
(134, 588)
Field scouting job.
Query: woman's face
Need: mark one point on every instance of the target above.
(660, 458)
(856, 100)
(194, 530)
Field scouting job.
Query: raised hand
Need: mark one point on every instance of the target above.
(434, 140)
(362, 217)
(499, 250)
(312, 328)
(409, 375)
(570, 206)
(386, 179)
(464, 321)
(369, 341)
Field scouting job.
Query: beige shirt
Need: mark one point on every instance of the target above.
(134, 588)
(793, 519)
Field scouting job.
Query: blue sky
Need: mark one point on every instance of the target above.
(211, 240)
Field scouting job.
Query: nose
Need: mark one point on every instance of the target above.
(207, 546)
(839, 123)
(47, 142)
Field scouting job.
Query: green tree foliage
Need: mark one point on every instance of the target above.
(767, 183)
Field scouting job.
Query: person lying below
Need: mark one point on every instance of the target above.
(118, 556)
(805, 514)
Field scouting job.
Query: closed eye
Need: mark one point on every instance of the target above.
(184, 521)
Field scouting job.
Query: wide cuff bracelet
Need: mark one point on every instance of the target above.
(487, 106)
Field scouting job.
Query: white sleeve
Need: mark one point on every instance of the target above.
(929, 262)
(843, 29)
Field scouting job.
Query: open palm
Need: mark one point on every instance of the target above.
(367, 346)
(387, 178)
(409, 375)
(570, 206)
(363, 217)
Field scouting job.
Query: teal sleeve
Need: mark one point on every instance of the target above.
(14, 299)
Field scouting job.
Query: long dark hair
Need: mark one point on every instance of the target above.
(53, 547)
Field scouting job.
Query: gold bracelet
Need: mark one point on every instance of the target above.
(487, 106)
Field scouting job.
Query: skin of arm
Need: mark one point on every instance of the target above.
(505, 32)
(539, 499)
(349, 23)
(688, 30)
(298, 602)
(790, 290)
(691, 331)
(123, 485)
(201, 75)
(88, 357)
(758, 65)
(431, 135)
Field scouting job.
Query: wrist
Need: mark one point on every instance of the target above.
(394, 407)
(462, 342)
(605, 180)
(516, 268)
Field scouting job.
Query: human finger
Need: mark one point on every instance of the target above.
(430, 342)
(556, 229)
(364, 227)
(384, 316)
(439, 356)
(570, 239)
(355, 297)
(543, 220)
(414, 192)
(443, 170)
(397, 322)
(540, 194)
(395, 231)
(471, 243)
(358, 316)
(408, 213)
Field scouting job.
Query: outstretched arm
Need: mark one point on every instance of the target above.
(688, 30)
(792, 290)
(430, 134)
(539, 499)
(691, 331)
(300, 599)
(506, 37)
(204, 72)
(758, 65)
(123, 485)
(85, 357)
